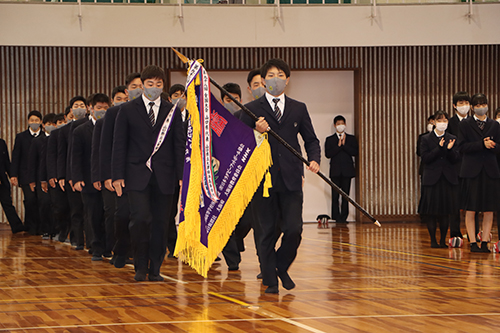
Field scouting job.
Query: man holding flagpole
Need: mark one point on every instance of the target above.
(147, 163)
(282, 209)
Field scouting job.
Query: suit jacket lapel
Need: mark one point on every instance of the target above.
(473, 124)
(141, 109)
(265, 105)
(487, 126)
(288, 109)
(162, 114)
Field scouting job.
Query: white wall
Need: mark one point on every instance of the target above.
(135, 25)
(327, 94)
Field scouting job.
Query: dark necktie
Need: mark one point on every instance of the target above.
(277, 111)
(151, 113)
(480, 124)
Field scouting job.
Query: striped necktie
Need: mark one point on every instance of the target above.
(277, 111)
(151, 113)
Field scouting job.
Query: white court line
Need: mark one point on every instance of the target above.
(173, 322)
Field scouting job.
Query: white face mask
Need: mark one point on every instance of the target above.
(441, 127)
(340, 128)
(463, 110)
(430, 127)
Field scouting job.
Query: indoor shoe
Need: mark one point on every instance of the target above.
(155, 278)
(79, 248)
(272, 290)
(259, 276)
(286, 280)
(475, 248)
(96, 257)
(120, 261)
(140, 276)
(484, 247)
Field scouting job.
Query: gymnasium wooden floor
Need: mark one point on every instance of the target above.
(354, 278)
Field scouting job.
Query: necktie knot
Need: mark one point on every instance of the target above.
(480, 124)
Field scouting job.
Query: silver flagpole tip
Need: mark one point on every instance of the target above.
(377, 223)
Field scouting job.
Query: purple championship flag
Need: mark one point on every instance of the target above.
(240, 158)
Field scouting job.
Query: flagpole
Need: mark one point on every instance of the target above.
(185, 60)
(297, 154)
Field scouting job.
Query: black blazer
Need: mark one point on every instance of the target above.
(295, 120)
(341, 163)
(475, 155)
(37, 148)
(95, 170)
(81, 154)
(106, 144)
(51, 154)
(439, 161)
(19, 165)
(4, 164)
(133, 143)
(64, 148)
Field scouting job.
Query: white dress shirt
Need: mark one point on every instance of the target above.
(156, 107)
(281, 103)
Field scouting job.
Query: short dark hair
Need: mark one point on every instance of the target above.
(153, 72)
(48, 118)
(131, 77)
(164, 95)
(253, 73)
(59, 117)
(77, 98)
(497, 112)
(175, 88)
(67, 110)
(116, 90)
(441, 114)
(35, 113)
(479, 99)
(232, 88)
(100, 98)
(461, 96)
(431, 117)
(338, 118)
(278, 63)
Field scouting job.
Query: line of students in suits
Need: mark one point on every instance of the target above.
(460, 171)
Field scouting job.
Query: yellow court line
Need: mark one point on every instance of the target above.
(231, 299)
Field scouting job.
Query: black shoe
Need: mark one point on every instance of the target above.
(218, 258)
(484, 247)
(235, 268)
(286, 280)
(155, 278)
(434, 244)
(120, 261)
(140, 276)
(129, 261)
(112, 260)
(475, 248)
(171, 255)
(272, 290)
(96, 257)
(107, 255)
(45, 236)
(259, 276)
(79, 248)
(18, 229)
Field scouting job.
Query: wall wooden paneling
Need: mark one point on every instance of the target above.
(399, 88)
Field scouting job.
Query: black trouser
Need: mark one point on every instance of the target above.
(172, 228)
(340, 215)
(109, 202)
(94, 207)
(150, 211)
(45, 211)
(31, 213)
(76, 213)
(62, 217)
(282, 211)
(15, 222)
(432, 222)
(122, 220)
(236, 244)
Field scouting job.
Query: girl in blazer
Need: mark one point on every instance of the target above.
(439, 199)
(479, 143)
